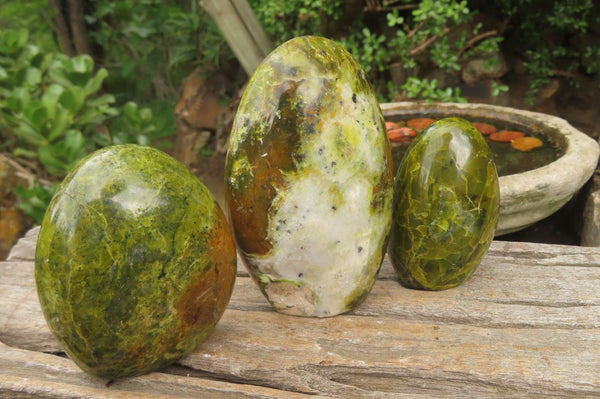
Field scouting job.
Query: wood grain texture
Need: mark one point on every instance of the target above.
(526, 324)
(24, 249)
(33, 374)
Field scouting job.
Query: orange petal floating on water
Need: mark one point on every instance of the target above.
(506, 135)
(391, 126)
(526, 143)
(420, 123)
(401, 135)
(485, 128)
(409, 131)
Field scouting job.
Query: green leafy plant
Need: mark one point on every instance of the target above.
(553, 38)
(370, 50)
(592, 60)
(32, 15)
(435, 34)
(498, 88)
(153, 44)
(140, 125)
(52, 112)
(47, 104)
(429, 90)
(284, 20)
(35, 199)
(418, 36)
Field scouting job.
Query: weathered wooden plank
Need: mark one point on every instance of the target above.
(526, 323)
(241, 29)
(22, 323)
(246, 14)
(352, 355)
(502, 293)
(38, 374)
(504, 252)
(24, 249)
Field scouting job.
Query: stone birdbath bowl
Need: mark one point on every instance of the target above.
(529, 196)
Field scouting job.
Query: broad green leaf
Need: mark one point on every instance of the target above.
(110, 111)
(32, 76)
(73, 99)
(36, 115)
(51, 162)
(11, 41)
(94, 84)
(22, 152)
(131, 111)
(82, 64)
(18, 100)
(146, 114)
(46, 59)
(90, 116)
(141, 31)
(3, 74)
(50, 98)
(104, 8)
(30, 56)
(90, 19)
(60, 123)
(58, 71)
(182, 53)
(101, 139)
(26, 132)
(8, 118)
(74, 143)
(104, 99)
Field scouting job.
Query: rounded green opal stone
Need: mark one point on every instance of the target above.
(309, 180)
(135, 262)
(446, 206)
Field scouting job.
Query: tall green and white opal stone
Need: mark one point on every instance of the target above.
(309, 182)
(446, 206)
(135, 262)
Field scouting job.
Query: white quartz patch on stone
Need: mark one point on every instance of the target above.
(323, 231)
(321, 247)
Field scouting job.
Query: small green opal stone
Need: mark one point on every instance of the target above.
(446, 206)
(135, 262)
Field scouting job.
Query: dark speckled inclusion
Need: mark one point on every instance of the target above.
(446, 206)
(135, 262)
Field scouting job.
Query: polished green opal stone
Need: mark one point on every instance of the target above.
(135, 262)
(309, 182)
(446, 206)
